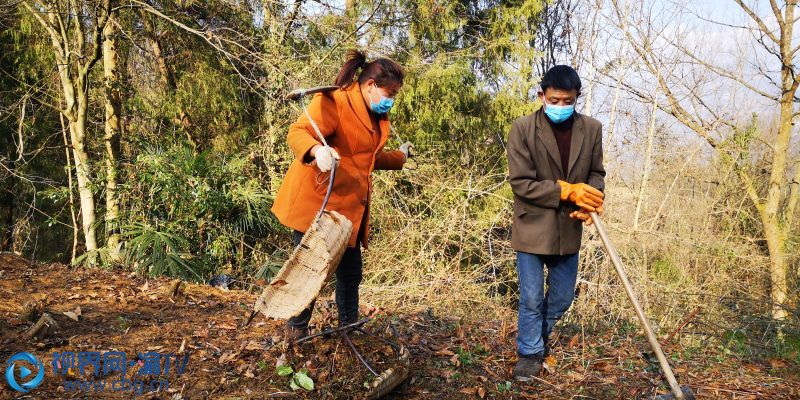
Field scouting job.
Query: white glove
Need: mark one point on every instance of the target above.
(406, 149)
(325, 156)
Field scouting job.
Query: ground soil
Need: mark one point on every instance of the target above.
(449, 358)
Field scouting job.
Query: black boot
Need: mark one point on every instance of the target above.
(528, 367)
(293, 333)
(297, 326)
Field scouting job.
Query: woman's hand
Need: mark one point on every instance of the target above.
(406, 149)
(324, 155)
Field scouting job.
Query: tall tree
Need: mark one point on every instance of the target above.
(76, 28)
(113, 132)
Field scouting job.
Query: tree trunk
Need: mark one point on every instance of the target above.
(776, 221)
(113, 131)
(167, 79)
(7, 205)
(77, 130)
(651, 132)
(771, 217)
(76, 113)
(71, 192)
(776, 241)
(612, 116)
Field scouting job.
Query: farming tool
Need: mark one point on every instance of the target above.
(311, 264)
(677, 391)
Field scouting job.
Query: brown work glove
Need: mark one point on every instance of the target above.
(583, 195)
(584, 216)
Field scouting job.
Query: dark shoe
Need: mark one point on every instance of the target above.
(345, 320)
(293, 333)
(528, 367)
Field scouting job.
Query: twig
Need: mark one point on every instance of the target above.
(682, 325)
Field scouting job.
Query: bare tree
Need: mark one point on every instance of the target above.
(554, 33)
(661, 56)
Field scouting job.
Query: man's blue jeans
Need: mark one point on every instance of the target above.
(539, 311)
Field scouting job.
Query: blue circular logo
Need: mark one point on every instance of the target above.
(24, 372)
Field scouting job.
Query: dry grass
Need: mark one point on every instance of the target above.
(442, 236)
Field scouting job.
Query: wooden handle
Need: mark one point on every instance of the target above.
(297, 94)
(651, 337)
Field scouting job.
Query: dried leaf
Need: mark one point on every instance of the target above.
(278, 283)
(73, 314)
(444, 352)
(455, 361)
(777, 363)
(574, 376)
(281, 361)
(574, 341)
(468, 391)
(253, 345)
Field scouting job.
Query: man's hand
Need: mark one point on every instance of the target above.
(584, 216)
(406, 149)
(324, 156)
(583, 195)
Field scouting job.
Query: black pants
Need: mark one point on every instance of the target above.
(348, 277)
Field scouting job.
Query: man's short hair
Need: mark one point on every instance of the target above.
(561, 77)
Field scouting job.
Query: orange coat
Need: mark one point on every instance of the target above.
(344, 121)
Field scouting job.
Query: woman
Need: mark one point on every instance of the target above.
(354, 121)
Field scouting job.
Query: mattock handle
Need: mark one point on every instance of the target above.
(651, 337)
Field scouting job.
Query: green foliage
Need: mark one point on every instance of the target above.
(208, 204)
(734, 342)
(156, 252)
(100, 257)
(298, 380)
(663, 269)
(504, 388)
(465, 357)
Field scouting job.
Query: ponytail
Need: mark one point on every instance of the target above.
(356, 69)
(355, 64)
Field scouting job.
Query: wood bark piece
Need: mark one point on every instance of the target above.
(43, 328)
(312, 262)
(391, 378)
(31, 310)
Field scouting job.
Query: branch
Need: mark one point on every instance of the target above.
(762, 26)
(54, 37)
(675, 109)
(749, 187)
(723, 73)
(97, 38)
(777, 11)
(214, 41)
(349, 35)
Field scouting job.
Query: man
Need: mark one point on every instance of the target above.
(555, 162)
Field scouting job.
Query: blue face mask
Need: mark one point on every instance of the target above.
(558, 114)
(382, 106)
